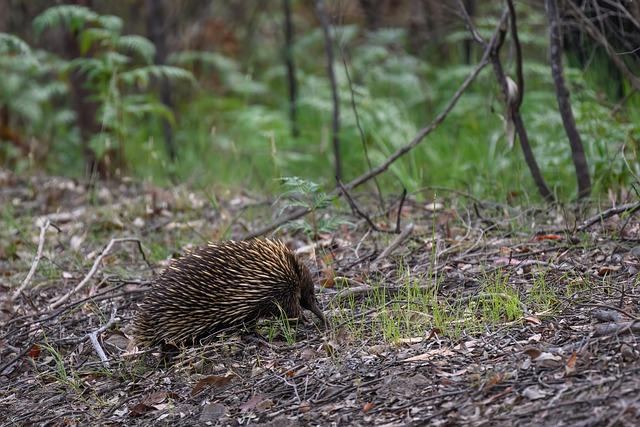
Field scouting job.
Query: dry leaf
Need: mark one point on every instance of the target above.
(212, 380)
(367, 407)
(541, 237)
(304, 407)
(570, 367)
(251, 404)
(533, 353)
(532, 320)
(34, 352)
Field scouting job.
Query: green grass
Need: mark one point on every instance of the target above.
(414, 306)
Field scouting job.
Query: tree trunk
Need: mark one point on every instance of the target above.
(292, 83)
(564, 105)
(328, 44)
(156, 24)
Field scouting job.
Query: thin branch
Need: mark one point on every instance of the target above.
(399, 215)
(564, 105)
(394, 245)
(629, 208)
(599, 38)
(93, 337)
(469, 24)
(328, 45)
(354, 206)
(484, 61)
(361, 131)
(292, 82)
(34, 265)
(94, 268)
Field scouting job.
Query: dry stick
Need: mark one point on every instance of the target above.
(355, 208)
(93, 337)
(564, 105)
(398, 217)
(292, 83)
(94, 268)
(513, 105)
(328, 45)
(397, 242)
(361, 131)
(34, 265)
(484, 61)
(631, 208)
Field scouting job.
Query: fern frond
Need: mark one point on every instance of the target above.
(13, 44)
(111, 23)
(142, 76)
(92, 35)
(138, 45)
(71, 16)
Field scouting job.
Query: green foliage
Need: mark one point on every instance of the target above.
(300, 193)
(234, 131)
(119, 71)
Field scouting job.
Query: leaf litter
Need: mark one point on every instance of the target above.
(503, 318)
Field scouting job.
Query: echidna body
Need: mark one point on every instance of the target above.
(223, 285)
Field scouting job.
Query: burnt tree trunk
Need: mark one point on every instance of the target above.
(564, 105)
(328, 44)
(156, 24)
(292, 83)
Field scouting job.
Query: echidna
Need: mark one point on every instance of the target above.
(224, 285)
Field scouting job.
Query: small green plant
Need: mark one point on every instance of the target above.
(301, 193)
(542, 296)
(61, 374)
(284, 326)
(497, 302)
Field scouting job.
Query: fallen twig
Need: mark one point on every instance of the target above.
(355, 208)
(394, 245)
(631, 208)
(93, 337)
(399, 215)
(94, 268)
(616, 328)
(34, 265)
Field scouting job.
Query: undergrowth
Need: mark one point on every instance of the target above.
(235, 133)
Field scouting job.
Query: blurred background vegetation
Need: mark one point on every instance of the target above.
(196, 91)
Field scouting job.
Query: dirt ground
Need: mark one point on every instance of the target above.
(475, 314)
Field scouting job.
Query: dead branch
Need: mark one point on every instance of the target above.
(94, 268)
(616, 328)
(355, 208)
(399, 215)
(93, 337)
(564, 105)
(394, 245)
(484, 61)
(630, 208)
(34, 265)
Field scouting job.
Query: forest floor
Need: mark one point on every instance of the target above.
(476, 314)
